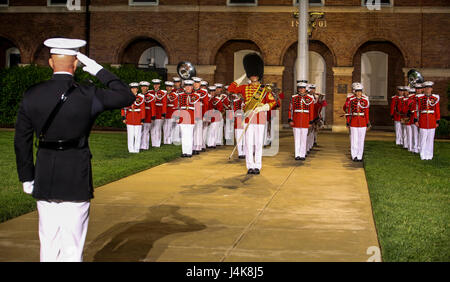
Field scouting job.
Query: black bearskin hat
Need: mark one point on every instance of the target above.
(253, 65)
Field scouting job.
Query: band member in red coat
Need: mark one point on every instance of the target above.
(254, 135)
(160, 112)
(172, 105)
(318, 120)
(198, 125)
(395, 114)
(358, 120)
(149, 102)
(134, 116)
(205, 107)
(220, 104)
(238, 109)
(301, 116)
(212, 119)
(428, 120)
(410, 110)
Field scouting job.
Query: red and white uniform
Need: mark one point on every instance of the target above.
(187, 119)
(218, 105)
(160, 113)
(428, 115)
(318, 115)
(358, 119)
(134, 116)
(204, 99)
(149, 101)
(301, 114)
(409, 108)
(254, 136)
(395, 113)
(172, 105)
(237, 106)
(198, 116)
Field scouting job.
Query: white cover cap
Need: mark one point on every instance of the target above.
(302, 84)
(156, 81)
(168, 83)
(428, 83)
(197, 79)
(134, 84)
(64, 46)
(188, 82)
(218, 85)
(204, 82)
(144, 83)
(176, 79)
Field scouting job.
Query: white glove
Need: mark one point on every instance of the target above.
(240, 79)
(90, 65)
(263, 108)
(28, 187)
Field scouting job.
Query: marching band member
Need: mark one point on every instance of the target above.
(238, 108)
(321, 103)
(198, 125)
(213, 124)
(403, 117)
(160, 112)
(419, 90)
(177, 84)
(134, 116)
(187, 101)
(311, 88)
(395, 115)
(149, 101)
(220, 106)
(428, 120)
(172, 105)
(176, 135)
(410, 109)
(205, 108)
(301, 117)
(228, 115)
(358, 120)
(255, 132)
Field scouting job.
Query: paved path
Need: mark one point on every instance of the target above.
(207, 209)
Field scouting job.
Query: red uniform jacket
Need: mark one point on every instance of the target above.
(161, 103)
(135, 114)
(187, 103)
(347, 103)
(358, 112)
(301, 110)
(172, 103)
(428, 111)
(247, 91)
(238, 107)
(149, 102)
(204, 100)
(396, 107)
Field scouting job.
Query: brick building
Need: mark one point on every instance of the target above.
(351, 43)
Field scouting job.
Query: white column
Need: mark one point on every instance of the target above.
(302, 51)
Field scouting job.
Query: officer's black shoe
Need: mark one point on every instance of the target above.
(297, 158)
(250, 171)
(360, 160)
(315, 144)
(242, 157)
(256, 171)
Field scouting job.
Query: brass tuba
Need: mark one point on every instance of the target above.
(186, 70)
(414, 77)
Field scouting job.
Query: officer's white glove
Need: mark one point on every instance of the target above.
(240, 79)
(263, 108)
(28, 187)
(90, 65)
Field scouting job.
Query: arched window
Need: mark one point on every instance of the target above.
(12, 57)
(374, 75)
(153, 57)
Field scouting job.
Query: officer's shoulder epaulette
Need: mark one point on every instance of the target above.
(435, 95)
(142, 95)
(295, 95)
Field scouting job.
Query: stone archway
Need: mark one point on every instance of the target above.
(379, 110)
(9, 53)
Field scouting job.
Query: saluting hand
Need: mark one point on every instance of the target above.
(90, 65)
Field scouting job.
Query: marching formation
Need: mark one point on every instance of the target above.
(416, 114)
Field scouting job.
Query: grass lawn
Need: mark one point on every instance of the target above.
(111, 161)
(411, 201)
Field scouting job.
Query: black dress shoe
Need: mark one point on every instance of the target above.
(183, 155)
(360, 160)
(187, 155)
(242, 157)
(297, 158)
(203, 150)
(355, 159)
(250, 171)
(302, 159)
(256, 171)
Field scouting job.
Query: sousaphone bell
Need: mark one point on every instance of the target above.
(186, 70)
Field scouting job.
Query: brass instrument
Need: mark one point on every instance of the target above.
(186, 70)
(414, 77)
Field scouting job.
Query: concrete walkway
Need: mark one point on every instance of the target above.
(207, 209)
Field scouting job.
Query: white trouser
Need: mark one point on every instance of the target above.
(62, 230)
(310, 140)
(167, 130)
(254, 137)
(405, 136)
(409, 137)
(176, 134)
(198, 135)
(426, 143)
(315, 136)
(300, 139)
(187, 136)
(266, 134)
(156, 132)
(240, 143)
(357, 141)
(229, 128)
(134, 138)
(415, 138)
(205, 129)
(219, 133)
(398, 133)
(145, 140)
(212, 135)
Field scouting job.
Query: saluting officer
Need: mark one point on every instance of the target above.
(61, 113)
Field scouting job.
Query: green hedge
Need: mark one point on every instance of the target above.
(16, 80)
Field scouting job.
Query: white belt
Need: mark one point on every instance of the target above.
(357, 114)
(170, 105)
(147, 108)
(136, 110)
(184, 108)
(427, 112)
(158, 104)
(301, 111)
